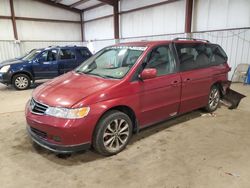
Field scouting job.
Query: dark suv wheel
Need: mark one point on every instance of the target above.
(112, 133)
(213, 99)
(21, 81)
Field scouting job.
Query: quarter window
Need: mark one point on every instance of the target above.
(218, 56)
(162, 60)
(84, 53)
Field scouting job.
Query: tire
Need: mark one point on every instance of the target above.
(114, 141)
(21, 81)
(213, 99)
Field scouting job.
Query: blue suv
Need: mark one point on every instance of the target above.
(43, 63)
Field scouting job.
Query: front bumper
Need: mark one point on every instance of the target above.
(5, 78)
(54, 147)
(60, 135)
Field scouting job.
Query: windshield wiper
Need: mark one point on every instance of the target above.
(79, 72)
(108, 76)
(94, 74)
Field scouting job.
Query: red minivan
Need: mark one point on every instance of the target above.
(124, 88)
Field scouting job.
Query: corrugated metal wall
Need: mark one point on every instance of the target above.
(36, 34)
(156, 23)
(9, 50)
(236, 43)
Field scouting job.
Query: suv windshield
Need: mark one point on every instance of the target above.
(31, 55)
(111, 62)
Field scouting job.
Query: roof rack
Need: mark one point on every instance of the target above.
(71, 46)
(179, 38)
(53, 46)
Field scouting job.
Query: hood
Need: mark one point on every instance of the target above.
(11, 61)
(70, 88)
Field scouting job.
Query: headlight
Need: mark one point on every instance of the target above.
(5, 69)
(67, 113)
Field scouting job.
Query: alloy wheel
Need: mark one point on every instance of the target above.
(116, 135)
(21, 82)
(214, 98)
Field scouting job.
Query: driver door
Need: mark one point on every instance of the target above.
(46, 65)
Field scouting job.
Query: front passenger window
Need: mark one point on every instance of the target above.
(162, 60)
(48, 55)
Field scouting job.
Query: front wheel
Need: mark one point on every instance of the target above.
(112, 133)
(214, 99)
(21, 81)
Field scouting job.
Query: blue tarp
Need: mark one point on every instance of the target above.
(248, 76)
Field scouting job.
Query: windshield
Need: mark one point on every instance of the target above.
(31, 55)
(111, 62)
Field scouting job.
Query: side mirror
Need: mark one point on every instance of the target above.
(148, 73)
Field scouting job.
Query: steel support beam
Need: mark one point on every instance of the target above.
(116, 20)
(13, 19)
(110, 2)
(188, 16)
(82, 27)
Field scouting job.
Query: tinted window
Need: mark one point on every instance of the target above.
(84, 53)
(162, 60)
(199, 55)
(49, 55)
(218, 56)
(67, 54)
(192, 56)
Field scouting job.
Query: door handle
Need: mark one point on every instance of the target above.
(174, 83)
(187, 80)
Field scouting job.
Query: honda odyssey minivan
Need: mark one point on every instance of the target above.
(123, 89)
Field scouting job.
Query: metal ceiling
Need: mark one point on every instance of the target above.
(79, 5)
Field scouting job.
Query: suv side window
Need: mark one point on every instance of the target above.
(161, 58)
(49, 55)
(67, 54)
(84, 53)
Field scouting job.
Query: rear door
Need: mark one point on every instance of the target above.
(160, 96)
(196, 75)
(46, 65)
(67, 60)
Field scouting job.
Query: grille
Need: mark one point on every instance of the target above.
(38, 132)
(37, 107)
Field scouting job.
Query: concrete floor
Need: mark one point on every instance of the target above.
(190, 151)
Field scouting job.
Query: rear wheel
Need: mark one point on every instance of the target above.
(214, 99)
(112, 133)
(21, 81)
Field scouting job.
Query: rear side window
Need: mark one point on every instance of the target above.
(199, 55)
(67, 54)
(84, 53)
